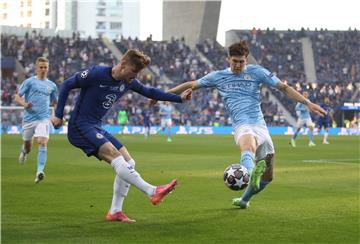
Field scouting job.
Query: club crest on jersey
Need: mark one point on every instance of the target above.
(99, 136)
(84, 74)
(247, 77)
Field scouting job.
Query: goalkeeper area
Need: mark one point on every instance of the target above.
(314, 197)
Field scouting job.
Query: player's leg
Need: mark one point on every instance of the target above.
(169, 125)
(127, 172)
(293, 138)
(326, 134)
(310, 126)
(243, 201)
(262, 174)
(245, 138)
(27, 136)
(121, 189)
(42, 131)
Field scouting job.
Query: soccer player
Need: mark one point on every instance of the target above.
(146, 119)
(324, 122)
(122, 119)
(35, 95)
(239, 86)
(304, 118)
(101, 87)
(165, 113)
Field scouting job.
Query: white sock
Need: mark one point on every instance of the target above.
(325, 136)
(121, 189)
(127, 173)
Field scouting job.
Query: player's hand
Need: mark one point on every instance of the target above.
(28, 105)
(57, 123)
(186, 95)
(316, 109)
(152, 102)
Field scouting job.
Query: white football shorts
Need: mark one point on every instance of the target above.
(308, 122)
(166, 123)
(264, 143)
(39, 128)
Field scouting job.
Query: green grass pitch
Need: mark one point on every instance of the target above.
(314, 197)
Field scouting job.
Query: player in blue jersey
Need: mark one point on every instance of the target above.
(36, 94)
(304, 118)
(146, 119)
(101, 87)
(239, 86)
(165, 113)
(324, 122)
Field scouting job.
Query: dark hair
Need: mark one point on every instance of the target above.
(239, 49)
(137, 58)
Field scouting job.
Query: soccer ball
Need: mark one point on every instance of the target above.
(236, 177)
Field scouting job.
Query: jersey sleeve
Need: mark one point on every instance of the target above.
(208, 80)
(267, 77)
(154, 93)
(86, 77)
(25, 86)
(53, 95)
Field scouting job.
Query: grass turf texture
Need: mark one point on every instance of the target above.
(314, 196)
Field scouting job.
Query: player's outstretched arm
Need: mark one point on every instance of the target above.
(184, 86)
(291, 93)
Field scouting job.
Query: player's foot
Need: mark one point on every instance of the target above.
(169, 139)
(119, 216)
(22, 157)
(39, 177)
(162, 191)
(312, 144)
(240, 203)
(326, 142)
(293, 143)
(256, 174)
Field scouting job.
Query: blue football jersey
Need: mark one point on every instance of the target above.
(99, 91)
(166, 111)
(241, 92)
(41, 93)
(302, 111)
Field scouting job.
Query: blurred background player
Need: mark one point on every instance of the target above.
(165, 113)
(146, 113)
(38, 92)
(122, 120)
(239, 86)
(101, 87)
(304, 118)
(324, 122)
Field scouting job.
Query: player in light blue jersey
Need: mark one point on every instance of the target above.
(36, 94)
(304, 118)
(165, 113)
(239, 86)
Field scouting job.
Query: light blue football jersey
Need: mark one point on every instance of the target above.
(166, 110)
(241, 92)
(302, 111)
(40, 93)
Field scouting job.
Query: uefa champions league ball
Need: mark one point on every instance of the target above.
(236, 177)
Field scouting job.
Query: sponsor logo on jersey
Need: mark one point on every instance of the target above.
(99, 136)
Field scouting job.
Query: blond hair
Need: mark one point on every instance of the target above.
(137, 58)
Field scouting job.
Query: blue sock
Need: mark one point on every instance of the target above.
(310, 134)
(42, 153)
(247, 160)
(249, 192)
(169, 133)
(295, 135)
